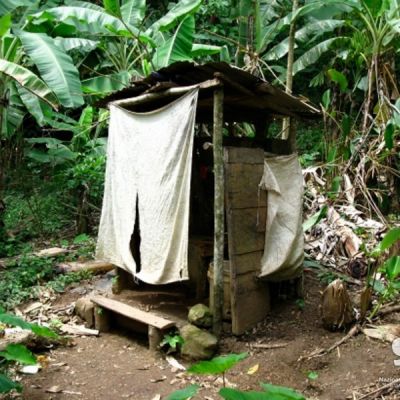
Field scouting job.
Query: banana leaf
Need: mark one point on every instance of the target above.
(55, 66)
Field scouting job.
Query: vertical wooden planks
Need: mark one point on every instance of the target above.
(246, 210)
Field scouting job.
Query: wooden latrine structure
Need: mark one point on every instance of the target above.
(227, 224)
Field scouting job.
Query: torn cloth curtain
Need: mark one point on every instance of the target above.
(149, 161)
(284, 241)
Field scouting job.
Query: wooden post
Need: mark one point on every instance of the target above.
(101, 319)
(155, 337)
(219, 194)
(123, 280)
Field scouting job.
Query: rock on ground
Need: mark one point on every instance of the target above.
(85, 309)
(198, 344)
(200, 315)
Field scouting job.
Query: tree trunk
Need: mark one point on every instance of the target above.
(368, 100)
(246, 10)
(286, 131)
(82, 218)
(2, 167)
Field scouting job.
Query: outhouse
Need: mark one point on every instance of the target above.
(233, 194)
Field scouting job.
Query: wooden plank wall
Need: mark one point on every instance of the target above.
(246, 210)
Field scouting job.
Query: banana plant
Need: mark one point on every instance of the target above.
(129, 43)
(36, 72)
(377, 21)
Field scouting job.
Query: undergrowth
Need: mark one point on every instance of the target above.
(35, 214)
(24, 280)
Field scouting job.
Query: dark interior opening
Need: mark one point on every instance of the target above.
(135, 239)
(202, 191)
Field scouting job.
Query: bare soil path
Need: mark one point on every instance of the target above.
(118, 365)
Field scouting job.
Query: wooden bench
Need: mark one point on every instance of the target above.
(156, 325)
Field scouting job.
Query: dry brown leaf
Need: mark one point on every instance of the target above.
(54, 389)
(162, 378)
(387, 332)
(252, 370)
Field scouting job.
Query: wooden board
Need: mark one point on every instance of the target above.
(133, 313)
(250, 302)
(244, 155)
(249, 262)
(243, 191)
(197, 266)
(246, 213)
(246, 229)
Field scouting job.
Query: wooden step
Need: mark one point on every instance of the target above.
(147, 318)
(156, 325)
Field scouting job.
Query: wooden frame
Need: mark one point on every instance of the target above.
(245, 291)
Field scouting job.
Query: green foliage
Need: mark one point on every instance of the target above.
(300, 304)
(40, 213)
(178, 47)
(88, 172)
(221, 364)
(310, 143)
(60, 282)
(389, 136)
(390, 238)
(272, 392)
(184, 394)
(281, 392)
(325, 275)
(217, 365)
(105, 84)
(234, 394)
(12, 246)
(22, 281)
(390, 270)
(133, 11)
(50, 56)
(17, 352)
(83, 238)
(56, 67)
(177, 13)
(174, 341)
(28, 81)
(7, 385)
(338, 78)
(112, 7)
(89, 20)
(315, 218)
(312, 375)
(326, 99)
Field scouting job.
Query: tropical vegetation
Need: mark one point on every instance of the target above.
(58, 58)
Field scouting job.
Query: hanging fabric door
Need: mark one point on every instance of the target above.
(149, 161)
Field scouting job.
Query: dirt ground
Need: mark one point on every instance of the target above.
(118, 365)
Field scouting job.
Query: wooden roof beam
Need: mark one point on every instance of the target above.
(172, 92)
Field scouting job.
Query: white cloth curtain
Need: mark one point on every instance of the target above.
(149, 161)
(284, 241)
